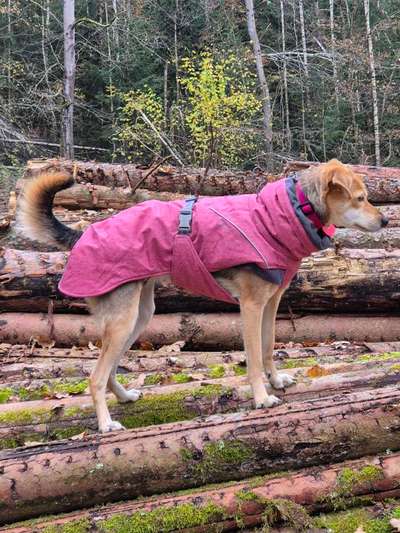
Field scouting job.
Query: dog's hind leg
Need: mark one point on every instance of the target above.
(252, 304)
(146, 311)
(118, 313)
(278, 381)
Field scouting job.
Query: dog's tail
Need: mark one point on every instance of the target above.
(35, 214)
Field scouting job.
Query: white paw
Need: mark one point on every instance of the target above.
(111, 426)
(131, 396)
(282, 380)
(269, 401)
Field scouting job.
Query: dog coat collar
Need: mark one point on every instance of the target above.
(308, 209)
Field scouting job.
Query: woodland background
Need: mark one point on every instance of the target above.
(182, 73)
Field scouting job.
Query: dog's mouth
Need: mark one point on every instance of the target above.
(366, 230)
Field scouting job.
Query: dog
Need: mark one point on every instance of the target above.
(266, 234)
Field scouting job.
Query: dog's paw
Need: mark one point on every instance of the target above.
(131, 395)
(113, 425)
(269, 401)
(281, 381)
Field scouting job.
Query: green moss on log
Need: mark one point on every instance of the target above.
(164, 519)
(216, 371)
(348, 482)
(218, 457)
(149, 410)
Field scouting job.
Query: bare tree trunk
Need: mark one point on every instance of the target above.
(266, 100)
(333, 47)
(285, 83)
(69, 79)
(9, 50)
(303, 37)
(373, 84)
(165, 94)
(176, 49)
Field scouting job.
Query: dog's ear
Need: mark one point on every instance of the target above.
(335, 174)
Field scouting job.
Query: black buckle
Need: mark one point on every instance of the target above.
(185, 216)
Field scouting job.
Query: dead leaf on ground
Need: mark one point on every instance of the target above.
(176, 347)
(79, 436)
(146, 345)
(360, 529)
(43, 342)
(317, 371)
(29, 443)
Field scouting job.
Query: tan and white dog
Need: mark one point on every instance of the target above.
(338, 196)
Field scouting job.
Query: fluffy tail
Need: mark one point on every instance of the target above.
(35, 214)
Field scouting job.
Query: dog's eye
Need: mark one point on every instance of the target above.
(361, 198)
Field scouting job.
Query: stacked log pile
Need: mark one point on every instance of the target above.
(336, 436)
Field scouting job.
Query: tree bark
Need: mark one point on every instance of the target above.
(16, 357)
(68, 475)
(285, 81)
(309, 487)
(89, 196)
(383, 183)
(352, 280)
(52, 419)
(69, 79)
(303, 38)
(266, 100)
(333, 51)
(211, 331)
(373, 84)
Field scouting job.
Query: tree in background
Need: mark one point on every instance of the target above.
(316, 56)
(69, 80)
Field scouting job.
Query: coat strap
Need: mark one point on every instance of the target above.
(185, 216)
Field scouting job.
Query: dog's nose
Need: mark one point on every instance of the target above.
(384, 221)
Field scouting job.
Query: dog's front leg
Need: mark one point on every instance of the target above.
(277, 380)
(252, 318)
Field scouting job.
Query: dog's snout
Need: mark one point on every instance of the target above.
(384, 221)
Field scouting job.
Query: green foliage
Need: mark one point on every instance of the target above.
(221, 100)
(139, 140)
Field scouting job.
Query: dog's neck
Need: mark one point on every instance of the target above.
(312, 189)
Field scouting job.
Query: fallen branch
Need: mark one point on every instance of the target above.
(243, 503)
(199, 331)
(67, 475)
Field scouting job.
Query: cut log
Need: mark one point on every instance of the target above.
(89, 196)
(165, 179)
(388, 238)
(243, 503)
(383, 183)
(350, 280)
(19, 362)
(48, 420)
(95, 197)
(67, 475)
(211, 331)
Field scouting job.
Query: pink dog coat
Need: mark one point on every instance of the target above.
(268, 231)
